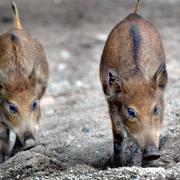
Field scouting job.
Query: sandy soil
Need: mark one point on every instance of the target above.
(75, 140)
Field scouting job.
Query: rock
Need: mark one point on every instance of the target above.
(47, 101)
(49, 112)
(79, 83)
(61, 67)
(86, 130)
(57, 88)
(65, 54)
(101, 37)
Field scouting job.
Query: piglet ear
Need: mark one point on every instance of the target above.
(1, 85)
(160, 77)
(38, 79)
(112, 78)
(3, 77)
(115, 85)
(33, 75)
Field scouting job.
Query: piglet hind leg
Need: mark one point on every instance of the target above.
(4, 143)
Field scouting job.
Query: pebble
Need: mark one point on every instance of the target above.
(46, 101)
(29, 144)
(61, 67)
(101, 37)
(86, 130)
(79, 83)
(178, 114)
(78, 145)
(49, 112)
(66, 55)
(37, 178)
(59, 87)
(18, 176)
(97, 53)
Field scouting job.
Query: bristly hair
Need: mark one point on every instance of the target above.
(136, 43)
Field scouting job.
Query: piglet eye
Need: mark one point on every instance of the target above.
(12, 108)
(35, 105)
(156, 111)
(131, 113)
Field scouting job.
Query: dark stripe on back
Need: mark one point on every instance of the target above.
(136, 42)
(14, 38)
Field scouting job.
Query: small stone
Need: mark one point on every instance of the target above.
(78, 145)
(101, 37)
(29, 144)
(37, 178)
(79, 83)
(49, 112)
(59, 87)
(86, 130)
(65, 54)
(18, 176)
(46, 101)
(178, 114)
(61, 67)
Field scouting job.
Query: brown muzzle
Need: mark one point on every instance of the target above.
(150, 153)
(29, 140)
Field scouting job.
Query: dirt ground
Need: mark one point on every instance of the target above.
(75, 139)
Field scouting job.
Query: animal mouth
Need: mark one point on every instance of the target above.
(151, 157)
(19, 146)
(150, 153)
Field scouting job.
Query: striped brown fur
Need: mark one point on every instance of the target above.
(23, 81)
(133, 76)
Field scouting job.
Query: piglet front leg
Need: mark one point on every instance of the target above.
(4, 143)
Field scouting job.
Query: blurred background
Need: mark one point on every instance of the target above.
(73, 33)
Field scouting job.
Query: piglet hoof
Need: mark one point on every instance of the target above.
(118, 162)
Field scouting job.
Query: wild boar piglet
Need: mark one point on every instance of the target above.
(133, 76)
(23, 81)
